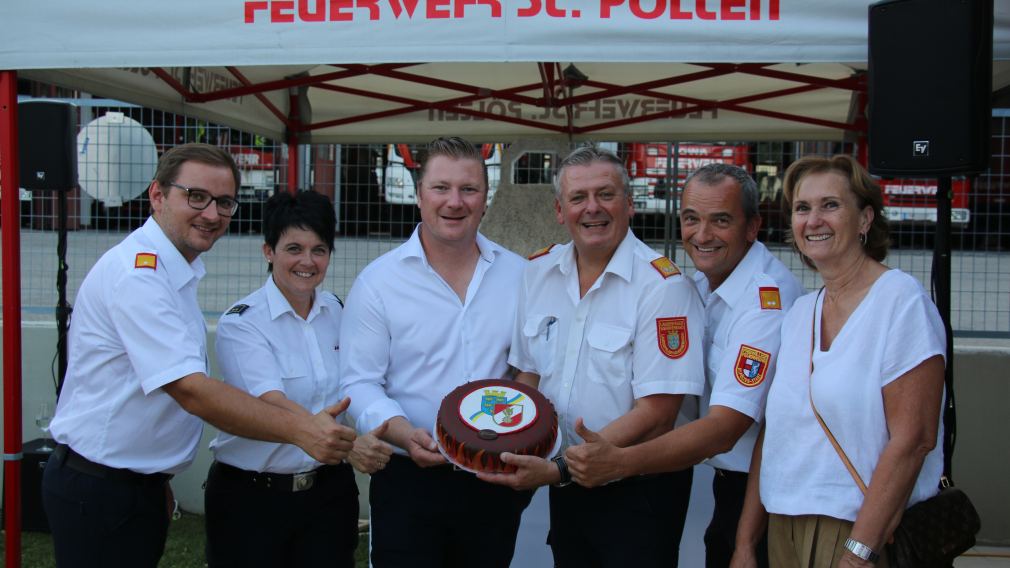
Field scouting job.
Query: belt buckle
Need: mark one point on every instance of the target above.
(303, 481)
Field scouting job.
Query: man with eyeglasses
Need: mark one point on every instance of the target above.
(137, 382)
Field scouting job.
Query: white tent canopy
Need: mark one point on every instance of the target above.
(350, 70)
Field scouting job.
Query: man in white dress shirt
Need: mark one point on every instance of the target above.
(746, 291)
(137, 383)
(611, 332)
(420, 320)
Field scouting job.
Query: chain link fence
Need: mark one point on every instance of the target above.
(373, 190)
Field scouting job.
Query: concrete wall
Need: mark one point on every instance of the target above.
(981, 465)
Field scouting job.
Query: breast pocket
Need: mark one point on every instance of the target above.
(298, 385)
(541, 333)
(609, 353)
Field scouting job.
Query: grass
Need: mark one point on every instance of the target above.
(184, 548)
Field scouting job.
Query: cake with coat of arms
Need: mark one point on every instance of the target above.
(479, 420)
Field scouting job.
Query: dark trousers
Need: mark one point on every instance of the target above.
(440, 517)
(102, 522)
(728, 488)
(250, 524)
(634, 522)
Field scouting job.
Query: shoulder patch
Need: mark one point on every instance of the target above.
(541, 252)
(672, 336)
(146, 260)
(751, 366)
(237, 309)
(337, 298)
(770, 299)
(665, 267)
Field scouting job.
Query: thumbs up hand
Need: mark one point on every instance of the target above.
(370, 453)
(596, 461)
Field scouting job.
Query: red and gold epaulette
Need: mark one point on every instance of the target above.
(665, 267)
(770, 299)
(541, 252)
(146, 260)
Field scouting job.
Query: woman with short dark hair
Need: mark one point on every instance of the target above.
(271, 504)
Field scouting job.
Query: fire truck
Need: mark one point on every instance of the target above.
(399, 172)
(914, 201)
(649, 167)
(259, 174)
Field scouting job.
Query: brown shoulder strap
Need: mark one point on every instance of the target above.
(810, 390)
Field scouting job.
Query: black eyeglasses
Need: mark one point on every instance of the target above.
(200, 199)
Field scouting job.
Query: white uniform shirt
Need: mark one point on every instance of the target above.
(738, 319)
(595, 355)
(268, 347)
(895, 328)
(136, 327)
(408, 339)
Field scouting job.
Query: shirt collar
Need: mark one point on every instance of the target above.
(180, 272)
(414, 248)
(733, 288)
(279, 305)
(621, 263)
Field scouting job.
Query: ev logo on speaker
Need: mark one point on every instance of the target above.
(920, 148)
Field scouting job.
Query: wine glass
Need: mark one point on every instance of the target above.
(42, 420)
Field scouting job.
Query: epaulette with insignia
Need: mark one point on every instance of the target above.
(237, 309)
(770, 299)
(337, 298)
(146, 260)
(541, 252)
(665, 267)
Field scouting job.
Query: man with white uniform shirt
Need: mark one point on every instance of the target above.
(137, 383)
(610, 331)
(420, 320)
(746, 291)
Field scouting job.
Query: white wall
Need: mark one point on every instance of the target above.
(981, 465)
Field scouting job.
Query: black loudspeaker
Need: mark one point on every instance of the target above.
(930, 83)
(47, 141)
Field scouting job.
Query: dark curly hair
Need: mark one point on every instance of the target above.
(865, 188)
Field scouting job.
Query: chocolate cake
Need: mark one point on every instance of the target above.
(481, 419)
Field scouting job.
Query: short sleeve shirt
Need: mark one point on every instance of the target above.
(263, 346)
(636, 332)
(408, 339)
(743, 317)
(894, 329)
(137, 327)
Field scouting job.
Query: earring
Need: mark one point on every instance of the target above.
(862, 239)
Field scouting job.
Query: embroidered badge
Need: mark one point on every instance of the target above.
(770, 298)
(237, 309)
(672, 336)
(146, 260)
(751, 366)
(665, 267)
(540, 252)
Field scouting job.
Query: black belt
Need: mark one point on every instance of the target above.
(77, 462)
(729, 473)
(284, 482)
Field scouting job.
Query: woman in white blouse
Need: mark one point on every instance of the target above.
(271, 504)
(867, 352)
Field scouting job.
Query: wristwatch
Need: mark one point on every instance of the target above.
(566, 476)
(861, 550)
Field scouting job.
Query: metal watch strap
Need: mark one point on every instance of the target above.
(566, 476)
(861, 550)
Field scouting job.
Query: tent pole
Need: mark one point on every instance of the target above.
(294, 118)
(10, 238)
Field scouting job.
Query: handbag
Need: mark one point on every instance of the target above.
(932, 532)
